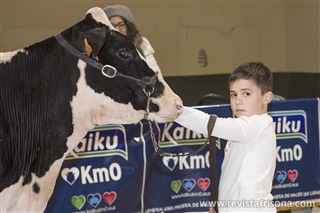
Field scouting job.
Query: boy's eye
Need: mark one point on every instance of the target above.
(232, 95)
(247, 94)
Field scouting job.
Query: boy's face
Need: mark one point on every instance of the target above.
(246, 98)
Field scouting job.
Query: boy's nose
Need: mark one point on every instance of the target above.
(238, 101)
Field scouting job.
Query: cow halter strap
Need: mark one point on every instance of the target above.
(147, 83)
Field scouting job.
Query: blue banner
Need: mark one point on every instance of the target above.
(115, 168)
(297, 175)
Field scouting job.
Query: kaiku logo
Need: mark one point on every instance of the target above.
(102, 141)
(290, 124)
(173, 134)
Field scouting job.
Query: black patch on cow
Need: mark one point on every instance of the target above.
(35, 112)
(36, 188)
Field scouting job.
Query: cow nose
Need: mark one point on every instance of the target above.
(179, 104)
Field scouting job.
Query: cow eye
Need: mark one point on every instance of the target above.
(123, 52)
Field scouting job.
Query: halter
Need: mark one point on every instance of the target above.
(146, 83)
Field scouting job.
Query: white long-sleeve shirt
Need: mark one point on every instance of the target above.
(250, 158)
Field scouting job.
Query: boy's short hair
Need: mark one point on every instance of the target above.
(255, 71)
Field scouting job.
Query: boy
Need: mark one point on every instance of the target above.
(250, 153)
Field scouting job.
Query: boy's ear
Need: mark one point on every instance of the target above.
(268, 97)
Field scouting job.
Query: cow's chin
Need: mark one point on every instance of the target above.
(124, 118)
(156, 117)
(160, 118)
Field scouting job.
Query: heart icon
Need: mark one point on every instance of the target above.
(170, 162)
(94, 199)
(292, 175)
(109, 197)
(78, 201)
(176, 185)
(70, 175)
(188, 184)
(281, 176)
(203, 183)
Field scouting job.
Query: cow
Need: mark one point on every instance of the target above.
(56, 90)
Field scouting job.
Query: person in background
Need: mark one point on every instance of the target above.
(122, 19)
(250, 154)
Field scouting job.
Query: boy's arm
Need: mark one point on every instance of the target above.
(194, 119)
(242, 129)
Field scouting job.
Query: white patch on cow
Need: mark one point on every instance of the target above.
(90, 109)
(100, 16)
(103, 109)
(7, 56)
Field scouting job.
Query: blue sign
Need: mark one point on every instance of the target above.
(297, 175)
(115, 168)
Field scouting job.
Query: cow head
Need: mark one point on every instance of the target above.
(120, 99)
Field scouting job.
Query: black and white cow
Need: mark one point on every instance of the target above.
(50, 99)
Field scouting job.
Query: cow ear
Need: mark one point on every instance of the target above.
(95, 40)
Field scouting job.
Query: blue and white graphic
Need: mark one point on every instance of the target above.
(115, 169)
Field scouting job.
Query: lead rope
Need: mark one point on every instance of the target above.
(213, 170)
(152, 135)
